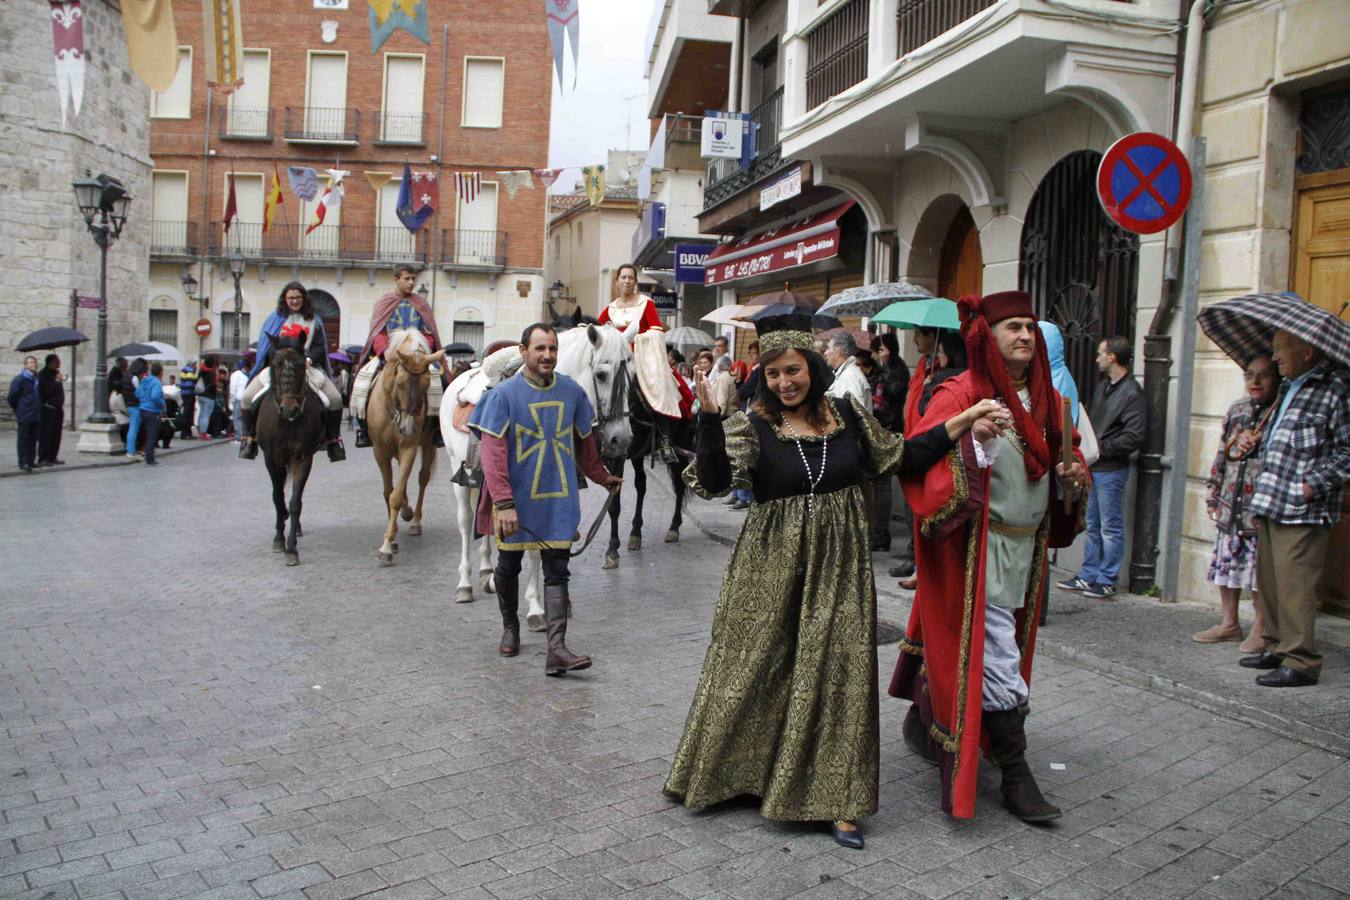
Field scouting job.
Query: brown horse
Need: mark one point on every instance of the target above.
(290, 431)
(396, 417)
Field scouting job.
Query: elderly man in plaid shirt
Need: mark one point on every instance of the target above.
(1305, 457)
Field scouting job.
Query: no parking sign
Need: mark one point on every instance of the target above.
(1144, 182)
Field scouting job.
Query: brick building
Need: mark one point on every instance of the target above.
(476, 99)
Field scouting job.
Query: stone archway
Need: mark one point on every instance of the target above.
(327, 309)
(945, 254)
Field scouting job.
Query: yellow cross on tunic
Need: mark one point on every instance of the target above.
(547, 435)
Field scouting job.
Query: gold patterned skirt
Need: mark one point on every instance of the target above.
(786, 707)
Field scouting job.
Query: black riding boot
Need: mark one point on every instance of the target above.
(556, 607)
(1021, 794)
(332, 426)
(362, 436)
(248, 441)
(508, 601)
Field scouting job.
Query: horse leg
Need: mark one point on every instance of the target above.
(486, 579)
(423, 479)
(676, 520)
(398, 498)
(278, 476)
(386, 551)
(464, 521)
(612, 551)
(640, 485)
(534, 617)
(299, 475)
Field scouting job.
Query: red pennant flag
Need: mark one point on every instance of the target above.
(231, 206)
(425, 190)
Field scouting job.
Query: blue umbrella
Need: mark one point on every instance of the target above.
(935, 313)
(50, 339)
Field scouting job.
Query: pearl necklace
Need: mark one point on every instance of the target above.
(812, 481)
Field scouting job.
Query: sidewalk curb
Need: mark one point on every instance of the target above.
(1294, 729)
(114, 459)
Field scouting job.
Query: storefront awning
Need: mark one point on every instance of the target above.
(796, 244)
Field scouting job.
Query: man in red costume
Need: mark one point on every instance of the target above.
(985, 521)
(402, 309)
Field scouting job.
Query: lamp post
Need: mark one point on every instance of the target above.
(237, 264)
(103, 202)
(555, 293)
(190, 291)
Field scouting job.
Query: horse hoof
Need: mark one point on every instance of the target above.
(415, 530)
(535, 622)
(611, 562)
(292, 559)
(406, 513)
(386, 559)
(672, 536)
(635, 542)
(278, 545)
(464, 595)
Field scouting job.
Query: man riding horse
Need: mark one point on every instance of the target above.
(400, 310)
(293, 318)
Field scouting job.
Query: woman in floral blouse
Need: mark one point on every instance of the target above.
(1232, 479)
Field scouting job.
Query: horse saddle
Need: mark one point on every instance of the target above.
(470, 471)
(654, 377)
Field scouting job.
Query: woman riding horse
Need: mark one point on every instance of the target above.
(294, 312)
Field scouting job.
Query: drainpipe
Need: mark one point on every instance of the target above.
(1158, 347)
(435, 251)
(204, 235)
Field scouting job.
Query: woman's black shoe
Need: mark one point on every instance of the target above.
(850, 839)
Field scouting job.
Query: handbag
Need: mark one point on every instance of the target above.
(1087, 438)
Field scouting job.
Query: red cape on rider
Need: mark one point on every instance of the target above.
(378, 340)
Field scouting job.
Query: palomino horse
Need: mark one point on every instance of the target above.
(290, 431)
(396, 417)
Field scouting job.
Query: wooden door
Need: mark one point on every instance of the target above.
(961, 265)
(1322, 275)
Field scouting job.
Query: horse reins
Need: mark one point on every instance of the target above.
(590, 533)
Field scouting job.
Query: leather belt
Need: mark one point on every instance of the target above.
(1014, 530)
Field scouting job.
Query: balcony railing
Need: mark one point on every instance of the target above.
(725, 177)
(327, 243)
(919, 21)
(400, 128)
(836, 53)
(170, 238)
(682, 129)
(246, 123)
(474, 247)
(322, 125)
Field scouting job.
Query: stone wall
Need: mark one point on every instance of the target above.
(45, 249)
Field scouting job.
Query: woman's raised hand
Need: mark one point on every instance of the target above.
(707, 402)
(987, 419)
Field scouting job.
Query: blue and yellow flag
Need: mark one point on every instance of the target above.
(386, 16)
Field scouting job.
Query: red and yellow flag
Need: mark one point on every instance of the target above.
(273, 200)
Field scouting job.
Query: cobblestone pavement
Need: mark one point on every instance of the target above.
(184, 716)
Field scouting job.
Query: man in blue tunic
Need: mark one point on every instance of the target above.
(535, 430)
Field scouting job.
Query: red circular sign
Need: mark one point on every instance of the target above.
(1144, 182)
(203, 327)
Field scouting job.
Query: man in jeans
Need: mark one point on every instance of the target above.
(1117, 415)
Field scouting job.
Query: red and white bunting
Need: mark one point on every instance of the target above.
(467, 185)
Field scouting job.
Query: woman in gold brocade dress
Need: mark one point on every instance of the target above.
(786, 708)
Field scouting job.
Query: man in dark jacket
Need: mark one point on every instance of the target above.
(52, 391)
(26, 402)
(1117, 415)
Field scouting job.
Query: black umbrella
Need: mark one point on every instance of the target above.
(133, 350)
(456, 349)
(50, 339)
(226, 353)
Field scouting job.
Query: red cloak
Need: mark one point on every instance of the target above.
(941, 665)
(384, 308)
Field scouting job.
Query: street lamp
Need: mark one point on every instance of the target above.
(237, 264)
(103, 202)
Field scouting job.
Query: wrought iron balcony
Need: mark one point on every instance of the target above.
(474, 247)
(322, 125)
(836, 53)
(336, 244)
(919, 21)
(400, 128)
(725, 177)
(173, 239)
(239, 123)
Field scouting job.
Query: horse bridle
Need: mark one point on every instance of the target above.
(276, 390)
(616, 404)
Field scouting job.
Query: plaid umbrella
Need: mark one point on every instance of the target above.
(862, 338)
(1244, 326)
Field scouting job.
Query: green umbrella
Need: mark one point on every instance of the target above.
(934, 313)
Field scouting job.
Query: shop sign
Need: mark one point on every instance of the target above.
(666, 301)
(788, 256)
(723, 135)
(784, 188)
(689, 262)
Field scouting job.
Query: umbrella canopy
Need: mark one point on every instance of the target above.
(936, 312)
(457, 349)
(1244, 326)
(50, 339)
(871, 299)
(352, 349)
(689, 337)
(728, 315)
(338, 356)
(782, 298)
(132, 350)
(862, 338)
(226, 353)
(163, 352)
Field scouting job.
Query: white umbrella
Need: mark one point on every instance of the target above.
(728, 315)
(871, 299)
(163, 353)
(689, 337)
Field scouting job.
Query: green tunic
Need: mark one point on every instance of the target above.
(786, 708)
(1016, 508)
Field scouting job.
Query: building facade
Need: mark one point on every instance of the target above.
(475, 99)
(46, 252)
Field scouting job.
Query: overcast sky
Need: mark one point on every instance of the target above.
(595, 117)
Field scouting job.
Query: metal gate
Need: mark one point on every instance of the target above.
(1081, 269)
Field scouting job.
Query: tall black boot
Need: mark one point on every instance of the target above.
(1008, 737)
(362, 435)
(332, 426)
(556, 607)
(248, 441)
(508, 601)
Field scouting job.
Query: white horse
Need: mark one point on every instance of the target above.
(600, 360)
